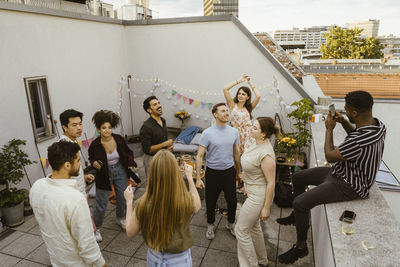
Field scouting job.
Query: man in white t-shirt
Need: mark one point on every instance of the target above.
(62, 211)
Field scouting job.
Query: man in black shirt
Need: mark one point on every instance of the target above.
(154, 132)
(356, 160)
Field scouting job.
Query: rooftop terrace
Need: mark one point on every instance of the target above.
(23, 246)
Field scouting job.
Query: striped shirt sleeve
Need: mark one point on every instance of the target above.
(350, 149)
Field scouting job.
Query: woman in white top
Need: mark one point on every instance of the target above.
(241, 107)
(258, 164)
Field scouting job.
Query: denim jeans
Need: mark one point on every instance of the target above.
(160, 259)
(119, 179)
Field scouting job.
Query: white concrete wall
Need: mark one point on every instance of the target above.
(201, 57)
(83, 61)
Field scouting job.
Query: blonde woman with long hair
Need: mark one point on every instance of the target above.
(164, 211)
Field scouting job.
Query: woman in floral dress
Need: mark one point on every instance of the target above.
(241, 107)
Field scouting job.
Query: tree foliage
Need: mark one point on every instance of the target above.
(348, 44)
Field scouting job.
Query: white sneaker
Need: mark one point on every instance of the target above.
(121, 222)
(210, 231)
(98, 236)
(231, 228)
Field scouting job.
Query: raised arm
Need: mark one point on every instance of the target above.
(132, 224)
(199, 162)
(229, 86)
(268, 167)
(192, 188)
(332, 153)
(256, 93)
(347, 126)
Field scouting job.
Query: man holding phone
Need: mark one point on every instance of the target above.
(356, 160)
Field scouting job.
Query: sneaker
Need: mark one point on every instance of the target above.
(289, 220)
(231, 228)
(122, 223)
(210, 231)
(98, 236)
(293, 255)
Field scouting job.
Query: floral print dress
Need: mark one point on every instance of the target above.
(240, 119)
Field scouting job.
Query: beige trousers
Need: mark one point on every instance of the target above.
(249, 235)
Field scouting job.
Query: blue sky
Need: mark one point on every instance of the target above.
(268, 15)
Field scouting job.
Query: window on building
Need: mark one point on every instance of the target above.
(39, 107)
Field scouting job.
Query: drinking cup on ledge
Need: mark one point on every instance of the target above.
(348, 226)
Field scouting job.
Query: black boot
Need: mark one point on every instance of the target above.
(293, 254)
(290, 220)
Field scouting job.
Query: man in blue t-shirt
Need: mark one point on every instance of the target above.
(223, 166)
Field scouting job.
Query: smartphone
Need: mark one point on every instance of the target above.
(348, 215)
(332, 110)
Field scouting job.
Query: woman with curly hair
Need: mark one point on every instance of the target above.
(164, 211)
(111, 157)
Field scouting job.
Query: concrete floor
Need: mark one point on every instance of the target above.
(25, 247)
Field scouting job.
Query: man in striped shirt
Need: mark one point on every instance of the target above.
(356, 160)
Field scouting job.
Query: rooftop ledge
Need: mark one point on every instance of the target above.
(374, 223)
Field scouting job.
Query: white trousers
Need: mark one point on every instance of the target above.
(249, 235)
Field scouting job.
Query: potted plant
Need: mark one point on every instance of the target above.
(302, 116)
(293, 144)
(12, 162)
(286, 145)
(182, 115)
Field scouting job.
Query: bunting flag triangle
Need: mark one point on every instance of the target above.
(80, 143)
(196, 103)
(173, 92)
(43, 161)
(178, 96)
(184, 99)
(203, 104)
(210, 105)
(84, 143)
(90, 140)
(47, 163)
(191, 101)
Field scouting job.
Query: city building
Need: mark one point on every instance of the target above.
(221, 7)
(134, 10)
(76, 6)
(309, 38)
(370, 27)
(391, 46)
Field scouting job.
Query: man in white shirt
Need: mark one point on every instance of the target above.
(62, 211)
(71, 123)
